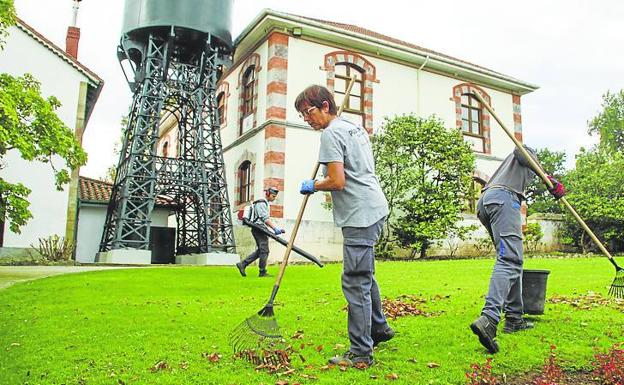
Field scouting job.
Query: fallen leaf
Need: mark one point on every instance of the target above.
(184, 365)
(281, 382)
(298, 335)
(342, 368)
(392, 376)
(160, 365)
(319, 348)
(432, 365)
(339, 347)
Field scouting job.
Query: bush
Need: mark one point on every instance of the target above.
(483, 247)
(532, 237)
(55, 248)
(609, 367)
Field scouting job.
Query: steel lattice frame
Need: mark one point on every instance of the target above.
(194, 182)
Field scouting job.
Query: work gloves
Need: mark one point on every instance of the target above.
(279, 231)
(557, 189)
(307, 187)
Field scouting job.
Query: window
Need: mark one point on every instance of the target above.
(471, 121)
(244, 182)
(354, 108)
(165, 149)
(220, 109)
(248, 94)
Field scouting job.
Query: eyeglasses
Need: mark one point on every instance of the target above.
(305, 113)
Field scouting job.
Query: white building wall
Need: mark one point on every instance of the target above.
(91, 218)
(22, 54)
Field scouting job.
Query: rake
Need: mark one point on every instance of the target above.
(617, 287)
(258, 339)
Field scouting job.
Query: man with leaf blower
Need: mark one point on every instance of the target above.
(359, 208)
(260, 215)
(498, 210)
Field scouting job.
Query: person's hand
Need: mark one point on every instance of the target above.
(557, 190)
(279, 231)
(307, 187)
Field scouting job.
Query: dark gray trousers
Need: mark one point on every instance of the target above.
(261, 252)
(499, 211)
(360, 287)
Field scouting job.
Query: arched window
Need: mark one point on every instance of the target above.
(472, 118)
(354, 108)
(244, 182)
(220, 109)
(247, 91)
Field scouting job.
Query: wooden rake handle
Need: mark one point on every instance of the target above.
(536, 166)
(295, 229)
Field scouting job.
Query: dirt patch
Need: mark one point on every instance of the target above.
(571, 378)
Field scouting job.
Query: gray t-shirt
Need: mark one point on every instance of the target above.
(514, 173)
(362, 202)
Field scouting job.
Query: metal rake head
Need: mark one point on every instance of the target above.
(256, 333)
(617, 287)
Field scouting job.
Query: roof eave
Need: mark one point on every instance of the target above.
(268, 19)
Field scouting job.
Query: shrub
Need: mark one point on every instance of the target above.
(532, 237)
(481, 374)
(483, 247)
(55, 248)
(609, 367)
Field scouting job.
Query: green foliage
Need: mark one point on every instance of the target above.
(483, 246)
(596, 191)
(539, 199)
(7, 19)
(425, 171)
(456, 236)
(29, 124)
(609, 123)
(533, 236)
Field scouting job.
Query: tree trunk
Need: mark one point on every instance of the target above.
(423, 249)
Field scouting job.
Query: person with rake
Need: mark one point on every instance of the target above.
(261, 217)
(498, 209)
(360, 209)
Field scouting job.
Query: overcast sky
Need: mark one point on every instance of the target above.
(571, 49)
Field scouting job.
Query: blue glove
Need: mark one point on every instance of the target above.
(279, 231)
(307, 187)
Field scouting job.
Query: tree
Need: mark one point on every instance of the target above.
(425, 171)
(609, 123)
(596, 191)
(28, 124)
(538, 198)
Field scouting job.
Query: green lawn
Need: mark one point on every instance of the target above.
(112, 327)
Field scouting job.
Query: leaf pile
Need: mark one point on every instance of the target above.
(588, 301)
(272, 360)
(405, 305)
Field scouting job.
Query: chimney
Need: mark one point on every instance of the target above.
(73, 34)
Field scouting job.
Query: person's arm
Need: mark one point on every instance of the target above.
(524, 161)
(335, 179)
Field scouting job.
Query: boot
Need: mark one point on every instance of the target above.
(485, 329)
(350, 359)
(382, 336)
(241, 269)
(513, 325)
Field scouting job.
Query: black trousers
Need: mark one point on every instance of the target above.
(261, 252)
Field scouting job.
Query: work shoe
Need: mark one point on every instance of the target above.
(382, 336)
(513, 325)
(264, 275)
(485, 329)
(241, 269)
(351, 359)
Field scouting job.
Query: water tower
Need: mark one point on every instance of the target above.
(173, 53)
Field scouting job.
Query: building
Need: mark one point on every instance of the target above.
(77, 87)
(266, 143)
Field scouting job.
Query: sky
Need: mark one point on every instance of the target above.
(571, 49)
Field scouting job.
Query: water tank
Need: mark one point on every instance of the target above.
(193, 19)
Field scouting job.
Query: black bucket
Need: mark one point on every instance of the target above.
(534, 290)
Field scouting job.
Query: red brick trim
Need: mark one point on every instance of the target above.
(224, 88)
(252, 60)
(274, 131)
(468, 88)
(369, 75)
(517, 117)
(276, 211)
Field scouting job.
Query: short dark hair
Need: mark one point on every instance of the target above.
(315, 95)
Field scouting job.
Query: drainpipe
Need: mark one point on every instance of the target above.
(418, 84)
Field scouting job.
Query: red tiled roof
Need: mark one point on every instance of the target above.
(58, 51)
(93, 190)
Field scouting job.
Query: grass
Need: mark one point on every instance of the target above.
(113, 327)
